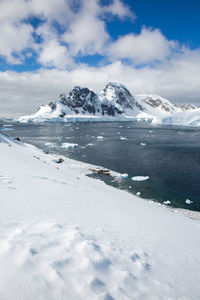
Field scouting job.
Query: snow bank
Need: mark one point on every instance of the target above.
(64, 235)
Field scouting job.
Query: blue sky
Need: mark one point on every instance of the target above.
(49, 46)
(177, 19)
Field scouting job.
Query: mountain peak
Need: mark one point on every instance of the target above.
(115, 85)
(121, 96)
(115, 102)
(188, 106)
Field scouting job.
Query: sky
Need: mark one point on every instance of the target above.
(47, 47)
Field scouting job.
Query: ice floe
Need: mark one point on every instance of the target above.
(140, 178)
(69, 145)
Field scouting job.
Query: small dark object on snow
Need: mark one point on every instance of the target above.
(37, 157)
(17, 139)
(101, 171)
(60, 160)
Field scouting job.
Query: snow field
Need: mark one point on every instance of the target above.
(66, 236)
(54, 260)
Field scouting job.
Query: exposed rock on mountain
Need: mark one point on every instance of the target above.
(188, 106)
(114, 103)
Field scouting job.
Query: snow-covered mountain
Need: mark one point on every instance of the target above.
(114, 103)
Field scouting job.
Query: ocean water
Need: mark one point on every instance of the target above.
(169, 155)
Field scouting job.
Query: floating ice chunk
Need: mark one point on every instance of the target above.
(90, 144)
(167, 202)
(123, 138)
(188, 201)
(143, 144)
(140, 178)
(124, 175)
(49, 145)
(6, 128)
(100, 137)
(138, 194)
(69, 145)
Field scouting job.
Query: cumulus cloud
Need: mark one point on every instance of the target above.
(119, 9)
(150, 45)
(178, 80)
(54, 54)
(51, 10)
(87, 34)
(67, 29)
(13, 11)
(83, 30)
(14, 39)
(82, 36)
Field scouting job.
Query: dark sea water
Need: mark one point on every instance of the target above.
(170, 156)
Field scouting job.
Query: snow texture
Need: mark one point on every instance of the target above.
(64, 235)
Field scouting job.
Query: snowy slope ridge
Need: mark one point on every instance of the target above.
(114, 103)
(64, 235)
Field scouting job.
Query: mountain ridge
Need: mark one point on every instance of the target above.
(115, 102)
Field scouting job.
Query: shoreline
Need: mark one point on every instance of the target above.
(65, 235)
(182, 211)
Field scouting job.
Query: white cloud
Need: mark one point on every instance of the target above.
(87, 32)
(178, 80)
(51, 10)
(15, 36)
(119, 9)
(14, 39)
(87, 35)
(13, 11)
(148, 46)
(55, 55)
(84, 30)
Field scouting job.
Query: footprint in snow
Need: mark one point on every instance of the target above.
(140, 261)
(97, 285)
(102, 265)
(7, 181)
(67, 258)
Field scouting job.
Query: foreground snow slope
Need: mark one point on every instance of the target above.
(66, 236)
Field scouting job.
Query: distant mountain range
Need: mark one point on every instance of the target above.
(115, 103)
